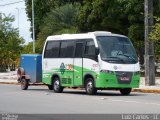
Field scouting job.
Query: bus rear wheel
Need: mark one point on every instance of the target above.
(57, 86)
(90, 87)
(125, 91)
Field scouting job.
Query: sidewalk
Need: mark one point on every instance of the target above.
(10, 77)
(148, 89)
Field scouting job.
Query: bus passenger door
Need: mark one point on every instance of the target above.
(66, 62)
(78, 63)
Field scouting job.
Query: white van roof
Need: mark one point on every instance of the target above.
(82, 35)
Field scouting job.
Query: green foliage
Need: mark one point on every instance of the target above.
(155, 36)
(52, 17)
(10, 43)
(42, 8)
(111, 15)
(39, 46)
(59, 21)
(118, 16)
(28, 49)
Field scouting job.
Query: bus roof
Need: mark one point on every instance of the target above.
(82, 35)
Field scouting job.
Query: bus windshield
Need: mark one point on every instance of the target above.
(117, 49)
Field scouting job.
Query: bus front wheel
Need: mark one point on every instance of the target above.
(90, 87)
(125, 91)
(57, 86)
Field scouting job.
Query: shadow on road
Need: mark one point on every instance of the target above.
(41, 90)
(103, 93)
(82, 92)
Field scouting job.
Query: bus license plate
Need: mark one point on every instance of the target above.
(124, 78)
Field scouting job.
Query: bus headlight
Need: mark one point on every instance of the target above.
(107, 71)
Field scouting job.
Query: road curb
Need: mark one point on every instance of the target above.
(146, 90)
(14, 83)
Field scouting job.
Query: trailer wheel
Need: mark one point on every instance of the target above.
(57, 86)
(24, 84)
(125, 91)
(90, 87)
(20, 73)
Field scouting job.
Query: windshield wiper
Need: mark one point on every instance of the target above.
(114, 59)
(128, 56)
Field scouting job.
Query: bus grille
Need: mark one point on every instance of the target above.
(124, 77)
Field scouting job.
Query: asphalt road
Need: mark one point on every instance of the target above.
(40, 100)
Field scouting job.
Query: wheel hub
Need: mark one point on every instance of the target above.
(56, 85)
(89, 86)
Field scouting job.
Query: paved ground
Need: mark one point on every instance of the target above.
(38, 99)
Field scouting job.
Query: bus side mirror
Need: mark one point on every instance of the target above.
(97, 51)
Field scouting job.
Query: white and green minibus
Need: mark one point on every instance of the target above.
(94, 61)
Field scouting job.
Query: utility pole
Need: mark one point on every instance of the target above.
(18, 20)
(149, 46)
(33, 33)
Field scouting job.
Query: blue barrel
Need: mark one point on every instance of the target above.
(32, 65)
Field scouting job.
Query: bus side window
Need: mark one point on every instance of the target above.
(79, 50)
(63, 49)
(52, 49)
(67, 49)
(90, 49)
(70, 49)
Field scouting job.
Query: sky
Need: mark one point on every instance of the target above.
(24, 24)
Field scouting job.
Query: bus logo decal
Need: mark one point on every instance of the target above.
(62, 68)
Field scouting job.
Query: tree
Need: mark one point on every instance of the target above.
(155, 36)
(42, 9)
(59, 21)
(10, 42)
(28, 49)
(118, 16)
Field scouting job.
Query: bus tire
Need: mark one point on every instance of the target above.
(125, 91)
(57, 86)
(50, 87)
(24, 84)
(90, 87)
